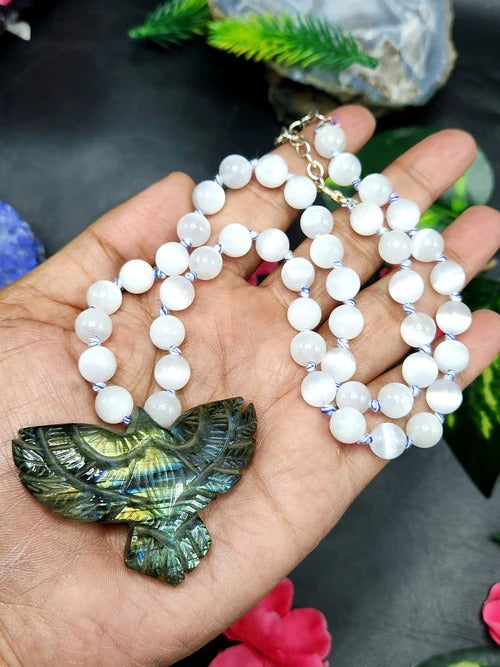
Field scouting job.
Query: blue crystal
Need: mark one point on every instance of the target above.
(20, 250)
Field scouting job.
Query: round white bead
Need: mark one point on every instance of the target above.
(388, 440)
(329, 139)
(366, 218)
(209, 197)
(304, 314)
(235, 171)
(339, 363)
(444, 396)
(418, 329)
(167, 331)
(297, 273)
(394, 247)
(300, 192)
(406, 286)
(353, 395)
(172, 372)
(97, 364)
(164, 407)
(453, 317)
(375, 189)
(195, 228)
(395, 400)
(344, 168)
(137, 276)
(427, 245)
(235, 240)
(316, 220)
(403, 215)
(206, 262)
(342, 283)
(346, 321)
(177, 292)
(318, 389)
(271, 171)
(105, 296)
(347, 425)
(424, 429)
(93, 322)
(113, 404)
(172, 258)
(272, 245)
(447, 277)
(451, 355)
(307, 346)
(420, 369)
(325, 250)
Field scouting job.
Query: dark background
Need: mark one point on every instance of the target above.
(88, 118)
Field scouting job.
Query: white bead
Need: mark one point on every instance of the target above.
(177, 293)
(318, 389)
(272, 245)
(93, 322)
(344, 168)
(347, 425)
(394, 247)
(300, 192)
(167, 331)
(97, 364)
(172, 372)
(346, 321)
(235, 240)
(406, 286)
(297, 273)
(307, 346)
(137, 276)
(304, 314)
(164, 407)
(209, 197)
(105, 296)
(453, 317)
(447, 277)
(444, 396)
(388, 440)
(113, 404)
(420, 369)
(316, 220)
(375, 189)
(329, 139)
(235, 171)
(339, 363)
(418, 329)
(172, 258)
(206, 262)
(403, 215)
(271, 171)
(325, 250)
(424, 429)
(195, 228)
(353, 395)
(342, 283)
(451, 355)
(427, 245)
(396, 400)
(366, 218)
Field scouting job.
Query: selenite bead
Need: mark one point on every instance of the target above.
(344, 168)
(206, 262)
(172, 258)
(105, 296)
(339, 363)
(403, 215)
(427, 245)
(97, 364)
(167, 330)
(396, 400)
(272, 245)
(406, 286)
(137, 276)
(316, 220)
(300, 192)
(418, 329)
(113, 404)
(353, 395)
(420, 369)
(271, 171)
(375, 189)
(453, 317)
(235, 171)
(307, 346)
(451, 355)
(172, 372)
(394, 247)
(297, 273)
(444, 396)
(424, 429)
(93, 322)
(304, 314)
(366, 218)
(347, 425)
(164, 407)
(346, 321)
(325, 250)
(342, 283)
(235, 239)
(209, 197)
(447, 277)
(195, 228)
(329, 139)
(177, 292)
(388, 441)
(318, 389)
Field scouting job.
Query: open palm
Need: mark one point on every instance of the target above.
(65, 595)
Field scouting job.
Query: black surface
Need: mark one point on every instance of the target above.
(88, 118)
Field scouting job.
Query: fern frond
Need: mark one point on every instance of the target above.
(174, 22)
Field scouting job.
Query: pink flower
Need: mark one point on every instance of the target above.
(275, 635)
(262, 271)
(491, 612)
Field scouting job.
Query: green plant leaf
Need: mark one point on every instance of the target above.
(480, 656)
(495, 537)
(174, 22)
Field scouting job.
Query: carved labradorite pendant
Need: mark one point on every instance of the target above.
(155, 479)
